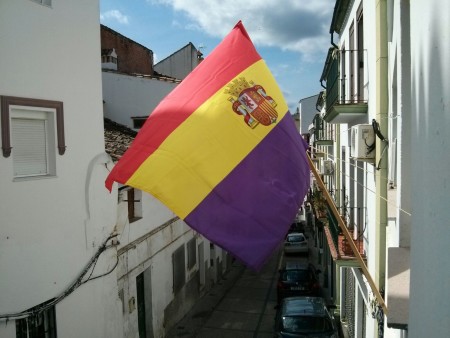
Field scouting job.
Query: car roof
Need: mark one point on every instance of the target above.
(295, 234)
(295, 306)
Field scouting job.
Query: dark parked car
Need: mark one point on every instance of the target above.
(304, 317)
(299, 279)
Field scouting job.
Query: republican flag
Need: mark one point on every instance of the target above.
(223, 153)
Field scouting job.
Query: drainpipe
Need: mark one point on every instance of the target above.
(332, 42)
(381, 174)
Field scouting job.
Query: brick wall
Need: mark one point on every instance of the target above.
(132, 57)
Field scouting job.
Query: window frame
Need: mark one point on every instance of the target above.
(178, 269)
(133, 198)
(33, 134)
(6, 104)
(134, 201)
(191, 247)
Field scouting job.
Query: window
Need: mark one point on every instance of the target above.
(138, 122)
(133, 198)
(42, 324)
(179, 270)
(32, 130)
(192, 253)
(134, 204)
(31, 143)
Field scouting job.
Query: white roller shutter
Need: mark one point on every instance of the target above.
(29, 146)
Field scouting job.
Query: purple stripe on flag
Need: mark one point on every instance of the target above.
(261, 197)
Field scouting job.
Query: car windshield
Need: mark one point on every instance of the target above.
(296, 275)
(306, 324)
(295, 238)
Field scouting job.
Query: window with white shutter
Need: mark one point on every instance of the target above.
(32, 141)
(32, 133)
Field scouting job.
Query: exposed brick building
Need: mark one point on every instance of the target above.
(132, 57)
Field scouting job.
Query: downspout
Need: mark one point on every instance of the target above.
(332, 42)
(381, 174)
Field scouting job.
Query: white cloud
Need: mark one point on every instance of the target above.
(294, 25)
(114, 15)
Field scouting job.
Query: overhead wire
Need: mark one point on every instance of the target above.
(361, 184)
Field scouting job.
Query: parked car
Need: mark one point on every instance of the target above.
(299, 279)
(296, 243)
(304, 317)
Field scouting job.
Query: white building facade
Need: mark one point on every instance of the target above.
(180, 63)
(387, 109)
(430, 122)
(76, 260)
(56, 215)
(163, 265)
(306, 109)
(130, 99)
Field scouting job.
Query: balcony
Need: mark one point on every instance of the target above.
(343, 73)
(340, 249)
(322, 136)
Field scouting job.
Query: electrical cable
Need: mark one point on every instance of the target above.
(361, 184)
(103, 274)
(70, 289)
(376, 129)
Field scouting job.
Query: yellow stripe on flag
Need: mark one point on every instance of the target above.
(205, 148)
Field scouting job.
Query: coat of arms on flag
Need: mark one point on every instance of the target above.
(252, 102)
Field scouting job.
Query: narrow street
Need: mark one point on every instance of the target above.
(242, 305)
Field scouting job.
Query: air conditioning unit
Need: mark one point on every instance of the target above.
(362, 142)
(327, 167)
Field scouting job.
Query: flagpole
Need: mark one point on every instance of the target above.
(347, 235)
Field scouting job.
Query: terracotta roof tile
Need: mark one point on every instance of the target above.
(117, 138)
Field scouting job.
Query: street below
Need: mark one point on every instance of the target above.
(241, 305)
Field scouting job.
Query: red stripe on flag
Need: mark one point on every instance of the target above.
(213, 73)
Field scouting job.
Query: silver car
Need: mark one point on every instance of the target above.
(296, 243)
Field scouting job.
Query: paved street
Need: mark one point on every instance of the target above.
(239, 306)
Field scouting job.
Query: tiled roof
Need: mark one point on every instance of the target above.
(155, 76)
(117, 138)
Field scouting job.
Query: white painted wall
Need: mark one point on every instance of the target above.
(52, 227)
(179, 64)
(419, 100)
(126, 96)
(307, 110)
(429, 310)
(149, 243)
(364, 172)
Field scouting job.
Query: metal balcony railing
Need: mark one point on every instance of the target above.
(345, 78)
(339, 239)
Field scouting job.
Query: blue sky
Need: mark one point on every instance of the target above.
(292, 38)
